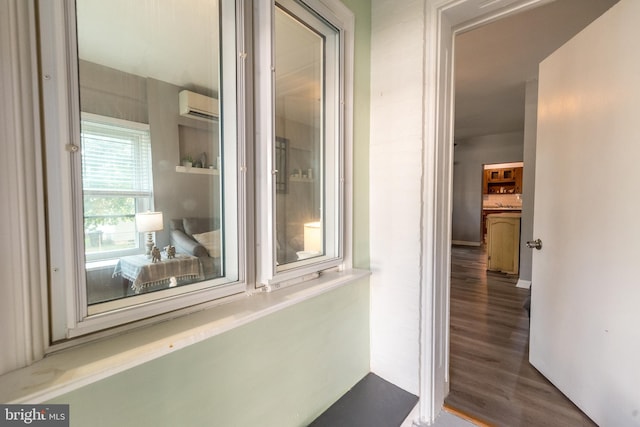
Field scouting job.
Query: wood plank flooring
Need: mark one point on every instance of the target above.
(491, 377)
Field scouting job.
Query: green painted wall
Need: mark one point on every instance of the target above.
(362, 82)
(282, 370)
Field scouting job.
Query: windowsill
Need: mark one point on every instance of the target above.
(97, 265)
(70, 369)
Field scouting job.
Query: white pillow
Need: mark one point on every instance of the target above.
(211, 241)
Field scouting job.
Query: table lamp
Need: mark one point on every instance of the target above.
(313, 237)
(149, 222)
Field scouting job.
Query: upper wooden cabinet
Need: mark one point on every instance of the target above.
(502, 181)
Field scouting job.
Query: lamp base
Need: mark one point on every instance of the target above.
(149, 244)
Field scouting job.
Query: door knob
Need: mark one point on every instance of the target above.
(537, 244)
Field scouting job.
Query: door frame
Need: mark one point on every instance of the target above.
(444, 19)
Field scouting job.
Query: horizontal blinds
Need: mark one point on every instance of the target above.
(116, 160)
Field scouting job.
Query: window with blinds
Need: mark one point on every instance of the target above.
(117, 183)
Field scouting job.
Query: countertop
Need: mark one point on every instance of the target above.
(502, 208)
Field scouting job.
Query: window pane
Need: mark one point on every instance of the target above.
(115, 156)
(109, 224)
(298, 127)
(117, 182)
(151, 141)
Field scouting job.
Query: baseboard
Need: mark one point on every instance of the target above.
(526, 284)
(465, 243)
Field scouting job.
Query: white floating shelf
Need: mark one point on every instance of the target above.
(201, 171)
(300, 179)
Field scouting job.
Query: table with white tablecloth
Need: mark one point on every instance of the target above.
(143, 274)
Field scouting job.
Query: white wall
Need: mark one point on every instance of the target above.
(528, 178)
(470, 156)
(396, 183)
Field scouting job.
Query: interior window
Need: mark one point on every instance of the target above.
(300, 144)
(306, 124)
(152, 165)
(134, 65)
(147, 163)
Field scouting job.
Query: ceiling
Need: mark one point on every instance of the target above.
(163, 40)
(178, 42)
(493, 63)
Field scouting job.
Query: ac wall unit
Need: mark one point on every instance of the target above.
(198, 106)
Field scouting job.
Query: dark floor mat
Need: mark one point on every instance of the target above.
(373, 402)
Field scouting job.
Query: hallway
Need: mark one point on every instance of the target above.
(491, 378)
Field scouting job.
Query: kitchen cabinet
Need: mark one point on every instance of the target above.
(503, 242)
(500, 175)
(487, 212)
(502, 181)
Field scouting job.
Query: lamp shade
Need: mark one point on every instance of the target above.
(149, 221)
(313, 237)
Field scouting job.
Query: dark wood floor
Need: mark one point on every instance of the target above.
(491, 378)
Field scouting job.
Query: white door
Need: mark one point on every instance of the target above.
(585, 318)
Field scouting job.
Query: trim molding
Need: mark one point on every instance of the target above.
(526, 284)
(23, 303)
(443, 20)
(467, 417)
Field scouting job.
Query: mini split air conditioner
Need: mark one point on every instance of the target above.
(198, 106)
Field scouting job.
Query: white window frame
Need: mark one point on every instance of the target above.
(255, 262)
(70, 316)
(336, 191)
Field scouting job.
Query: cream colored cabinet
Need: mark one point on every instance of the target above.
(503, 242)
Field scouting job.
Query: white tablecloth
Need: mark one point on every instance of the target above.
(142, 273)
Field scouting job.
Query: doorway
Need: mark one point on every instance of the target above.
(453, 18)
